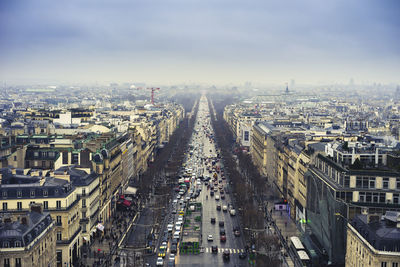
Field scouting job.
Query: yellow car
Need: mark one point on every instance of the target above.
(181, 212)
(161, 251)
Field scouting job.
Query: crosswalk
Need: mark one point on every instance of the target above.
(220, 250)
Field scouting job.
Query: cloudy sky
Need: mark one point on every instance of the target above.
(209, 41)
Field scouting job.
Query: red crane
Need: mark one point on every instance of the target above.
(153, 89)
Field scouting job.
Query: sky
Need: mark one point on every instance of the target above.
(207, 41)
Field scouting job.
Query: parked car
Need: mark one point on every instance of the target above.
(212, 220)
(210, 238)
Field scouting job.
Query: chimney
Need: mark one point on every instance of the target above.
(24, 220)
(36, 207)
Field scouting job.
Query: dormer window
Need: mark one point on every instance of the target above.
(19, 193)
(33, 193)
(17, 244)
(6, 244)
(45, 193)
(4, 193)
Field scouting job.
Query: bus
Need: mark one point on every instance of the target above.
(304, 258)
(296, 244)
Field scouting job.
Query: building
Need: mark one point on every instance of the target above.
(20, 188)
(372, 241)
(29, 240)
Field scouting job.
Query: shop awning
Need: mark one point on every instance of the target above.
(127, 203)
(100, 227)
(130, 190)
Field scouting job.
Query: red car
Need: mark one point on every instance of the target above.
(223, 238)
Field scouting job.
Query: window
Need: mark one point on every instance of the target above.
(83, 203)
(32, 193)
(361, 197)
(4, 193)
(45, 193)
(59, 257)
(83, 215)
(15, 158)
(5, 206)
(58, 220)
(347, 181)
(19, 193)
(385, 183)
(396, 199)
(36, 154)
(83, 192)
(17, 244)
(45, 205)
(6, 262)
(398, 183)
(18, 262)
(58, 204)
(19, 205)
(43, 164)
(395, 264)
(59, 237)
(246, 135)
(383, 264)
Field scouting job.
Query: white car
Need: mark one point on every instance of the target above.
(176, 235)
(178, 197)
(216, 197)
(171, 257)
(170, 227)
(160, 261)
(210, 238)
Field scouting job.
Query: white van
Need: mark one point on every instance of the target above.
(232, 212)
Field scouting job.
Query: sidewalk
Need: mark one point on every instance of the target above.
(98, 252)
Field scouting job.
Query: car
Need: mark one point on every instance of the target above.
(171, 264)
(236, 233)
(211, 193)
(170, 227)
(174, 241)
(210, 238)
(222, 238)
(242, 255)
(224, 208)
(214, 249)
(164, 243)
(222, 232)
(226, 255)
(161, 251)
(160, 262)
(221, 223)
(232, 212)
(218, 207)
(175, 201)
(171, 257)
(173, 211)
(178, 197)
(217, 197)
(176, 235)
(222, 196)
(212, 220)
(174, 248)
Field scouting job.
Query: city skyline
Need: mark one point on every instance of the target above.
(199, 42)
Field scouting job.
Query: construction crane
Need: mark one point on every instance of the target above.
(153, 89)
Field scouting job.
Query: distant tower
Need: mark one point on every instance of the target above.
(287, 89)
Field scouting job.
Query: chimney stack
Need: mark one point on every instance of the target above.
(24, 220)
(36, 207)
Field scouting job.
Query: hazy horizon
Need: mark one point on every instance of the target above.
(211, 42)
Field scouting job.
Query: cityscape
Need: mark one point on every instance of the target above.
(212, 133)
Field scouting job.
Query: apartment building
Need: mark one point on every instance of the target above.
(29, 240)
(373, 240)
(21, 188)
